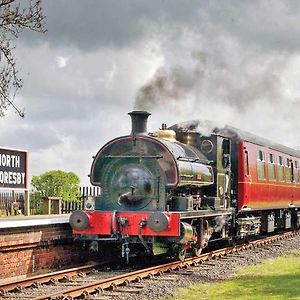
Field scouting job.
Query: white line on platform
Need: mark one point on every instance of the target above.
(33, 221)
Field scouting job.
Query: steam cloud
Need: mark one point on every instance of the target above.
(221, 221)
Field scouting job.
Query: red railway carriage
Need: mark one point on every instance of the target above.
(268, 176)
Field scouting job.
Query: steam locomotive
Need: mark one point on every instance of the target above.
(178, 189)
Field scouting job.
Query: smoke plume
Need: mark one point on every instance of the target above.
(165, 86)
(209, 77)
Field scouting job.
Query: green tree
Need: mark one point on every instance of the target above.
(15, 16)
(56, 184)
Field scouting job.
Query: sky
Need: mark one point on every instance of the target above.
(234, 62)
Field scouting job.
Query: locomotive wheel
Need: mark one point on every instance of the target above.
(197, 251)
(181, 254)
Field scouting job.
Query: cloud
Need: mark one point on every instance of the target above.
(236, 62)
(62, 61)
(71, 112)
(92, 24)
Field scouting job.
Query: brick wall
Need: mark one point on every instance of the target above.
(28, 250)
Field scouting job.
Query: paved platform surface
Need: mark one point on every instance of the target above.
(24, 221)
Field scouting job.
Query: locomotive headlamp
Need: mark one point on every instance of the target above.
(90, 203)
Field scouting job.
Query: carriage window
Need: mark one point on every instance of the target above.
(288, 170)
(260, 155)
(261, 165)
(247, 171)
(271, 158)
(296, 172)
(271, 167)
(280, 169)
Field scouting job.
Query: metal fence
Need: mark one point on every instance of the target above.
(12, 203)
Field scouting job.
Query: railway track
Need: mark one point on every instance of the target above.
(88, 283)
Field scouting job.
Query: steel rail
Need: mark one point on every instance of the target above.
(110, 283)
(43, 278)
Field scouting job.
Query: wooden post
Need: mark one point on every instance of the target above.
(56, 205)
(46, 206)
(26, 203)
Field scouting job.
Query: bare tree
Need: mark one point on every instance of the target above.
(15, 16)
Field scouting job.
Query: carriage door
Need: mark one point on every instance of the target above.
(292, 181)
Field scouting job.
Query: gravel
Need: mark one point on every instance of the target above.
(167, 284)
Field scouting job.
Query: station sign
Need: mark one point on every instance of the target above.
(13, 168)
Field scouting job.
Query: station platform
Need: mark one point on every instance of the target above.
(30, 244)
(25, 221)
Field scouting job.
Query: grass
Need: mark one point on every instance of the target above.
(272, 279)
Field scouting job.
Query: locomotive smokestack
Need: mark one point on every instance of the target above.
(139, 121)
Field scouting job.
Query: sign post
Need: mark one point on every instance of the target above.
(14, 172)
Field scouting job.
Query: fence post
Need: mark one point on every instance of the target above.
(26, 203)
